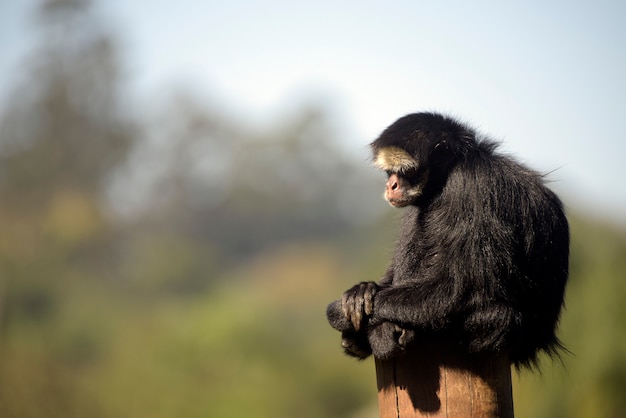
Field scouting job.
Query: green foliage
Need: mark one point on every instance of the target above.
(255, 346)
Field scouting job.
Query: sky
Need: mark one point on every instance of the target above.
(546, 78)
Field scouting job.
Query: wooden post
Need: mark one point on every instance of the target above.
(429, 382)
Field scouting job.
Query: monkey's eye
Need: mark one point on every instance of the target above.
(410, 173)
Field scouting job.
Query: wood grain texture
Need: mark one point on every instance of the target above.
(434, 383)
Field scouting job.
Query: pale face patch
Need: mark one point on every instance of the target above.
(395, 160)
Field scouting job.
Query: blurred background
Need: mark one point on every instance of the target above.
(185, 185)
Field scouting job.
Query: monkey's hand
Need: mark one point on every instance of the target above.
(336, 318)
(355, 344)
(388, 340)
(357, 303)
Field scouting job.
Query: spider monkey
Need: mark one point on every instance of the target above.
(482, 255)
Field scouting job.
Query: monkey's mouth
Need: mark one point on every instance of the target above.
(397, 203)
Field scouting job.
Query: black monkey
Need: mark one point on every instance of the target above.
(482, 257)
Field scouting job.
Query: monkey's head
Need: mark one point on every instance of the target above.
(417, 152)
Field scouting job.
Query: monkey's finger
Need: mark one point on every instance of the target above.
(357, 317)
(348, 307)
(360, 304)
(366, 297)
(345, 305)
(353, 307)
(368, 300)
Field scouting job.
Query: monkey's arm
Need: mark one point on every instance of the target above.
(427, 306)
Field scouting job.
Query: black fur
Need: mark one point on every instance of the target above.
(482, 258)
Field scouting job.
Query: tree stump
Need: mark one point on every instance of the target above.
(434, 382)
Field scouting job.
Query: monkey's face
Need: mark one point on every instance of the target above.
(406, 177)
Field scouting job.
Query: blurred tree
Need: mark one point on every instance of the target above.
(241, 189)
(249, 189)
(210, 182)
(64, 130)
(60, 139)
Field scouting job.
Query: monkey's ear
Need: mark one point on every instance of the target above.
(394, 159)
